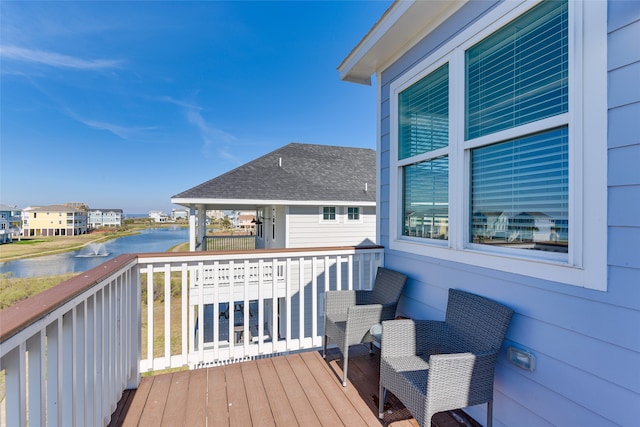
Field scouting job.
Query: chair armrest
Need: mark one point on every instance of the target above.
(467, 375)
(339, 301)
(408, 337)
(370, 314)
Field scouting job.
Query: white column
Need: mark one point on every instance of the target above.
(202, 227)
(192, 228)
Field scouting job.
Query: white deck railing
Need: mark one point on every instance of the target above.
(68, 353)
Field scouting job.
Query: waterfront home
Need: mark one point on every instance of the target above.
(10, 219)
(99, 218)
(301, 194)
(54, 220)
(490, 112)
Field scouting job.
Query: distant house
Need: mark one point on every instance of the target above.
(54, 220)
(158, 216)
(105, 218)
(244, 221)
(178, 214)
(301, 195)
(10, 219)
(516, 123)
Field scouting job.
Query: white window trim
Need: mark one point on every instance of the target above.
(329, 221)
(353, 221)
(586, 263)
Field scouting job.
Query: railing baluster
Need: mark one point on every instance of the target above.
(183, 311)
(167, 315)
(36, 347)
(301, 318)
(150, 332)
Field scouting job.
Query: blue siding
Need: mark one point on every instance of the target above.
(586, 343)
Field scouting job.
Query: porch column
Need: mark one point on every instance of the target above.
(202, 227)
(192, 228)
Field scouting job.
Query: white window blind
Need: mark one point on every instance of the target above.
(520, 192)
(519, 74)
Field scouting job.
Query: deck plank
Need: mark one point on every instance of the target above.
(333, 390)
(281, 409)
(176, 406)
(239, 414)
(302, 408)
(196, 412)
(256, 395)
(138, 401)
(217, 401)
(156, 401)
(322, 407)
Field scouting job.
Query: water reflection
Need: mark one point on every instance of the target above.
(149, 240)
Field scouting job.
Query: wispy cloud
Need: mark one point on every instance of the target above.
(124, 132)
(57, 60)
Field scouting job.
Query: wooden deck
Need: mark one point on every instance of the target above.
(295, 390)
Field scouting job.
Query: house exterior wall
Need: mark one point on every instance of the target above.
(307, 229)
(585, 342)
(54, 222)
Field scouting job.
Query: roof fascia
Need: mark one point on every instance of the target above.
(247, 202)
(400, 28)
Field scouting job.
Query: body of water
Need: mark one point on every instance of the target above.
(149, 240)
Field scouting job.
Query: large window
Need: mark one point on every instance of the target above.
(489, 142)
(423, 139)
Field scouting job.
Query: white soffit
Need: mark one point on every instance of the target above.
(401, 26)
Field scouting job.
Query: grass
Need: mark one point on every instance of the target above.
(15, 289)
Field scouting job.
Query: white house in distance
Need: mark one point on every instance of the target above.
(491, 110)
(158, 216)
(302, 195)
(109, 218)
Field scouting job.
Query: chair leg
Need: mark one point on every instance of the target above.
(382, 392)
(324, 347)
(490, 413)
(371, 348)
(345, 365)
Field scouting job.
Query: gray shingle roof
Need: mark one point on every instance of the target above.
(297, 172)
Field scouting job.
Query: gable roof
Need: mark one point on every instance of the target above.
(296, 174)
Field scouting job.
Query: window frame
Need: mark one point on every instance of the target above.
(329, 221)
(585, 264)
(353, 221)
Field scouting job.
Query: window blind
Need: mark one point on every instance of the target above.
(519, 74)
(426, 199)
(424, 114)
(520, 191)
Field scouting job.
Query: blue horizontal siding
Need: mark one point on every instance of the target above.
(586, 342)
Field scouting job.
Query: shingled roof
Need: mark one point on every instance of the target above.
(294, 174)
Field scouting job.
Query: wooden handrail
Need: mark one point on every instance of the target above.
(24, 313)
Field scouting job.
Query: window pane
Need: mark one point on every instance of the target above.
(520, 192)
(353, 214)
(520, 73)
(426, 199)
(329, 213)
(424, 114)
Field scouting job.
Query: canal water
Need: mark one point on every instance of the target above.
(149, 240)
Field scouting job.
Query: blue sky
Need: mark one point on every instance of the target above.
(124, 104)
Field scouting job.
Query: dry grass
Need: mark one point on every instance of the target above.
(15, 289)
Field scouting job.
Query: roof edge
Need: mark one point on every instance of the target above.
(399, 28)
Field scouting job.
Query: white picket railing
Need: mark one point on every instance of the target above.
(68, 353)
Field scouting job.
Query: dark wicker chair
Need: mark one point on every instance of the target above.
(434, 366)
(349, 315)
